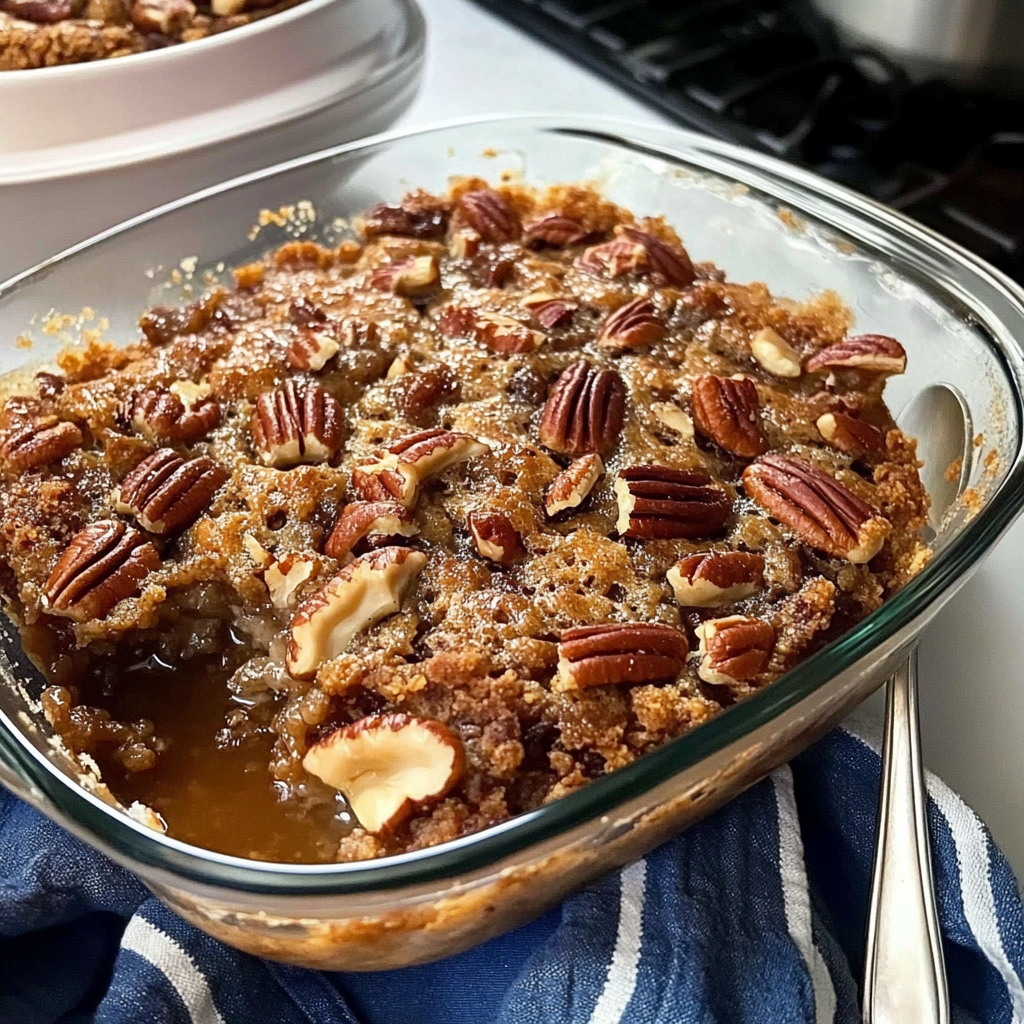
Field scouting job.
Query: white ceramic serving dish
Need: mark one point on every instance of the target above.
(85, 146)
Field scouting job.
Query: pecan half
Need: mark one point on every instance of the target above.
(419, 215)
(615, 258)
(388, 766)
(182, 415)
(726, 411)
(734, 650)
(398, 472)
(489, 215)
(370, 520)
(412, 277)
(634, 652)
(659, 503)
(773, 353)
(584, 412)
(103, 564)
(39, 443)
(555, 231)
(570, 488)
(494, 537)
(818, 509)
(166, 493)
(421, 390)
(296, 423)
(550, 311)
(851, 434)
(498, 332)
(630, 326)
(668, 264)
(716, 577)
(876, 352)
(364, 592)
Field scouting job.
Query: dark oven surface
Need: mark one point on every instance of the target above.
(771, 74)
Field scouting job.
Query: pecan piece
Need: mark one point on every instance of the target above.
(398, 472)
(494, 537)
(419, 215)
(39, 443)
(182, 415)
(726, 411)
(671, 416)
(615, 258)
(668, 264)
(304, 313)
(818, 509)
(166, 493)
(364, 592)
(489, 215)
(421, 391)
(660, 503)
(413, 277)
(42, 12)
(584, 412)
(734, 650)
(633, 652)
(283, 578)
(499, 333)
(570, 488)
(162, 324)
(296, 423)
(388, 766)
(851, 434)
(773, 353)
(876, 352)
(103, 564)
(715, 578)
(556, 232)
(311, 350)
(553, 313)
(168, 17)
(370, 520)
(630, 326)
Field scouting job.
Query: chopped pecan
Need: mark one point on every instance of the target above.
(364, 592)
(630, 326)
(38, 443)
(633, 652)
(283, 578)
(550, 311)
(422, 390)
(388, 766)
(674, 418)
(726, 411)
(398, 472)
(168, 17)
(774, 354)
(166, 493)
(555, 231)
(715, 578)
(658, 503)
(370, 520)
(668, 264)
(494, 536)
(296, 423)
(818, 509)
(850, 434)
(570, 488)
(311, 350)
(875, 352)
(413, 277)
(615, 258)
(50, 385)
(182, 415)
(162, 324)
(734, 650)
(419, 215)
(499, 333)
(584, 412)
(489, 215)
(103, 564)
(304, 313)
(42, 12)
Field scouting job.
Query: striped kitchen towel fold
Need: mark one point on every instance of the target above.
(754, 916)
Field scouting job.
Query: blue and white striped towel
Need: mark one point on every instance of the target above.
(754, 916)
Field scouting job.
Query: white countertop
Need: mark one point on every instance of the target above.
(972, 705)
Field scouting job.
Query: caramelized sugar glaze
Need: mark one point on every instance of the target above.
(492, 499)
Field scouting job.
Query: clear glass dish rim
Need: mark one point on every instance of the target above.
(912, 244)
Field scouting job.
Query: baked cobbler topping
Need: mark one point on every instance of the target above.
(397, 540)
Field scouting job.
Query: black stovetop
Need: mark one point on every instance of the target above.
(771, 74)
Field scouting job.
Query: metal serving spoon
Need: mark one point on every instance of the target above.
(904, 971)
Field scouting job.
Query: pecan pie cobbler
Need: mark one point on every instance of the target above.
(47, 33)
(401, 538)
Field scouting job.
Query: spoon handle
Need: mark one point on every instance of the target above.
(904, 973)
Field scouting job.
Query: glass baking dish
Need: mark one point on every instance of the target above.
(960, 321)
